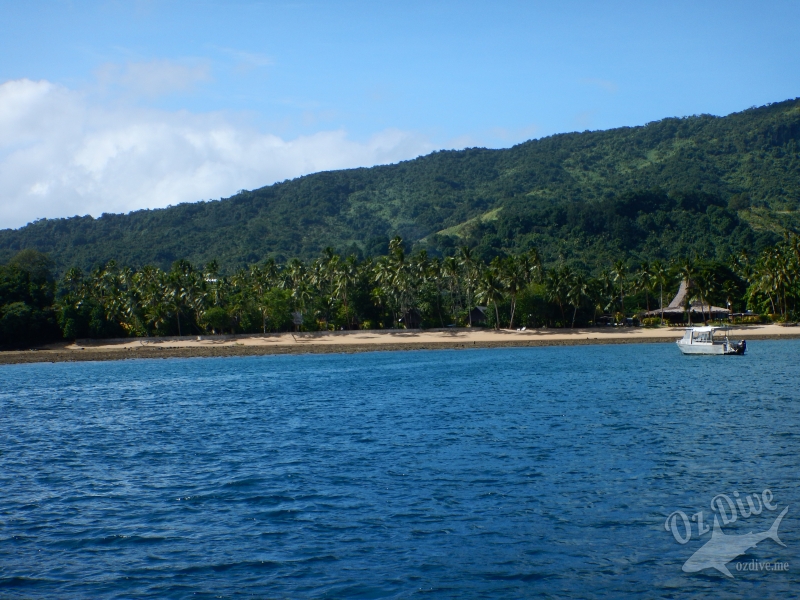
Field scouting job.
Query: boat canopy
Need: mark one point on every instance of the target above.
(707, 328)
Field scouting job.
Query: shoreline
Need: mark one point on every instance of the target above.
(348, 342)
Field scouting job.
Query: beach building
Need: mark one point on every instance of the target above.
(677, 310)
(477, 316)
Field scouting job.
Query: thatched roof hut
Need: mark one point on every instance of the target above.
(477, 316)
(677, 309)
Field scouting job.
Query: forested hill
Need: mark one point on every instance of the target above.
(700, 185)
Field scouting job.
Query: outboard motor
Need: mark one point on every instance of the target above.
(743, 345)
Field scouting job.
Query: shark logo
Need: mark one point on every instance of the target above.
(721, 549)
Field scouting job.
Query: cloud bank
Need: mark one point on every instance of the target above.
(61, 154)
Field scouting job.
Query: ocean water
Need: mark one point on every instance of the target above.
(501, 473)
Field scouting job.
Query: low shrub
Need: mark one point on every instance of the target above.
(751, 320)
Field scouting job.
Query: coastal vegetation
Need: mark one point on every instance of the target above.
(698, 186)
(400, 289)
(563, 231)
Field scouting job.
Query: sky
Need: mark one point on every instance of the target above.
(109, 106)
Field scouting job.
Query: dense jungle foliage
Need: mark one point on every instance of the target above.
(705, 186)
(401, 289)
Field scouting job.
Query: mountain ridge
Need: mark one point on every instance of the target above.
(703, 184)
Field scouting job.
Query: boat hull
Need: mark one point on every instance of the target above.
(718, 349)
(702, 348)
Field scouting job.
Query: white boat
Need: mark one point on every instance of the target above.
(700, 340)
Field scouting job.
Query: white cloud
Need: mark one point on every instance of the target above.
(63, 155)
(154, 78)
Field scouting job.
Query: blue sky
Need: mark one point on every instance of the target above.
(109, 106)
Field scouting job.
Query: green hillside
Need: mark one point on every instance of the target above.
(699, 185)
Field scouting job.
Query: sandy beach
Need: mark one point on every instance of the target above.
(362, 341)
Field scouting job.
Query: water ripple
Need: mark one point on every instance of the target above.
(482, 473)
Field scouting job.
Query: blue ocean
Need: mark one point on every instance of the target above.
(561, 472)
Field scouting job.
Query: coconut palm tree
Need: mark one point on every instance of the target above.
(577, 292)
(687, 270)
(261, 283)
(514, 274)
(556, 283)
(296, 279)
(490, 290)
(620, 274)
(345, 275)
(470, 272)
(606, 285)
(385, 291)
(704, 283)
(660, 274)
(597, 296)
(451, 271)
(531, 263)
(643, 281)
(435, 275)
(782, 275)
(729, 290)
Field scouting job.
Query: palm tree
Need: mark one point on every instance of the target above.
(197, 295)
(262, 282)
(687, 271)
(620, 272)
(299, 283)
(532, 265)
(403, 277)
(660, 274)
(451, 272)
(577, 292)
(606, 284)
(490, 290)
(644, 282)
(384, 277)
(240, 297)
(514, 276)
(596, 295)
(773, 275)
(326, 272)
(704, 281)
(556, 285)
(345, 275)
(782, 276)
(73, 281)
(213, 284)
(729, 290)
(434, 273)
(415, 278)
(469, 269)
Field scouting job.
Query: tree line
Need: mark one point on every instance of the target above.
(400, 289)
